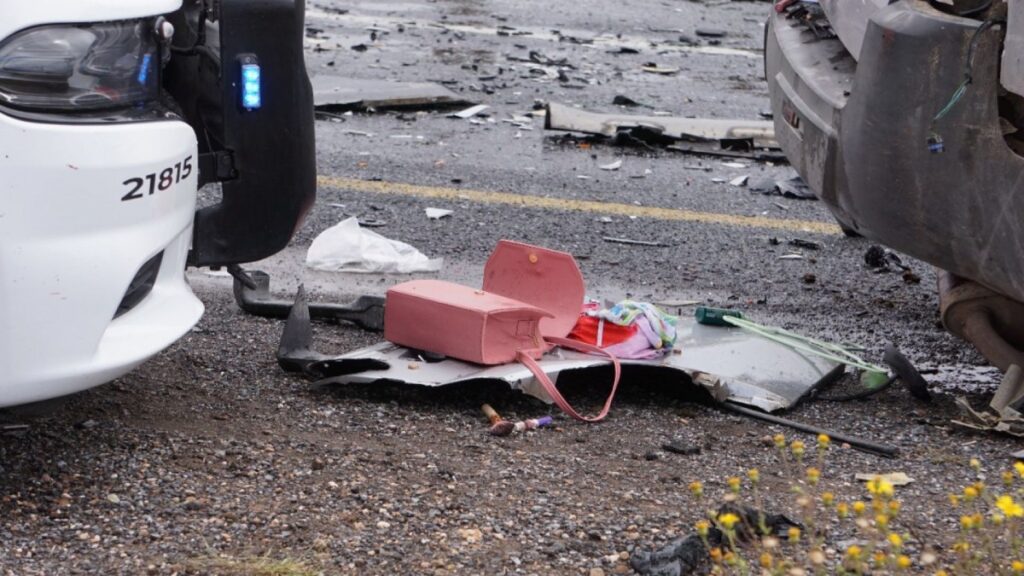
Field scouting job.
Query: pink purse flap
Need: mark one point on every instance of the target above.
(547, 279)
(461, 322)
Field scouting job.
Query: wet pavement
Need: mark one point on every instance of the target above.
(210, 451)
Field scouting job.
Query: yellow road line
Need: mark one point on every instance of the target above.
(572, 205)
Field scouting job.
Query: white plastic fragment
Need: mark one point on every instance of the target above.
(613, 166)
(345, 247)
(739, 181)
(469, 112)
(438, 213)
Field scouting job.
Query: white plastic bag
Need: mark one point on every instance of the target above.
(345, 247)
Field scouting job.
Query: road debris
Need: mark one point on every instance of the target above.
(630, 242)
(621, 100)
(794, 187)
(654, 68)
(1006, 414)
(612, 167)
(806, 244)
(337, 94)
(679, 447)
(894, 478)
(739, 138)
(469, 113)
(739, 181)
(506, 428)
(346, 247)
(854, 442)
(438, 213)
(252, 294)
(907, 373)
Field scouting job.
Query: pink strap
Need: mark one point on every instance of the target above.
(552, 391)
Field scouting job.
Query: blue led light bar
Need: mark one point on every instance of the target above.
(252, 97)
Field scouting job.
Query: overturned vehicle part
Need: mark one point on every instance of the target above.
(902, 127)
(729, 364)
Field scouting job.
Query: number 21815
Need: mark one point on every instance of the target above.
(158, 181)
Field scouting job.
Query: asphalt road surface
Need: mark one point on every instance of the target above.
(209, 459)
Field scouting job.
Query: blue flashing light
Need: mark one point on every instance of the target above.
(252, 97)
(147, 59)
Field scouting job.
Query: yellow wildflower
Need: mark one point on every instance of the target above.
(780, 441)
(961, 546)
(903, 561)
(793, 534)
(696, 488)
(754, 474)
(734, 483)
(967, 522)
(823, 441)
(1017, 566)
(894, 508)
(954, 500)
(813, 475)
(895, 540)
(975, 464)
(998, 519)
(970, 493)
(853, 552)
(730, 558)
(1008, 478)
(1019, 467)
(716, 554)
(1010, 508)
(797, 447)
(728, 520)
(879, 486)
(858, 507)
(842, 510)
(766, 560)
(882, 521)
(878, 558)
(828, 498)
(702, 528)
(941, 573)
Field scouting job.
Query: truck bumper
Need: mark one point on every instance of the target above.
(73, 252)
(858, 132)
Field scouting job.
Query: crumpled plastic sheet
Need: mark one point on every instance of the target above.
(346, 247)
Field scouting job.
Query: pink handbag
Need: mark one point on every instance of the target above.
(530, 301)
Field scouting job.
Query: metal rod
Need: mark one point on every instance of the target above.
(858, 443)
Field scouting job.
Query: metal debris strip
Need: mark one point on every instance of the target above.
(1007, 407)
(729, 364)
(337, 94)
(630, 242)
(759, 133)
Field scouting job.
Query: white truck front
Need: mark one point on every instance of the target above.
(102, 110)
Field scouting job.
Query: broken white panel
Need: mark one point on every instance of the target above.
(730, 364)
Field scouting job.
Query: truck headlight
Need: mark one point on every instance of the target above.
(81, 67)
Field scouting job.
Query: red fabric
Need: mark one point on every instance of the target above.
(587, 327)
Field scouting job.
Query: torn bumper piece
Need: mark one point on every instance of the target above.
(729, 364)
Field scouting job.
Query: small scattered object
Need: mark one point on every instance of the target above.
(739, 181)
(612, 167)
(805, 244)
(810, 278)
(894, 478)
(506, 428)
(438, 213)
(709, 316)
(346, 247)
(881, 260)
(709, 32)
(469, 112)
(677, 447)
(621, 100)
(654, 68)
(635, 242)
(910, 278)
(791, 257)
(492, 415)
(735, 165)
(794, 188)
